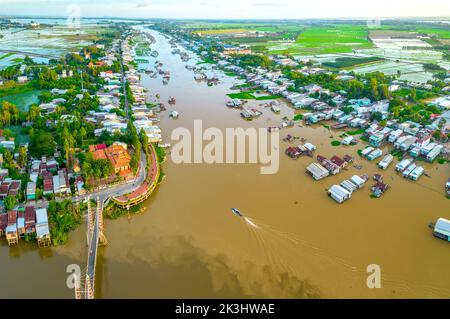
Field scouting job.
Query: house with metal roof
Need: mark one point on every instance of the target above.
(442, 229)
(42, 228)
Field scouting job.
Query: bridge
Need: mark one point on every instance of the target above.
(30, 54)
(95, 237)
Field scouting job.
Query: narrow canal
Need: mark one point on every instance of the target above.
(188, 244)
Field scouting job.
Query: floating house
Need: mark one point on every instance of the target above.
(400, 167)
(374, 154)
(358, 181)
(310, 147)
(339, 194)
(317, 171)
(442, 229)
(416, 173)
(367, 151)
(409, 170)
(348, 140)
(386, 161)
(348, 185)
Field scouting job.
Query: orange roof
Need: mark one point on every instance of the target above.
(118, 156)
(99, 154)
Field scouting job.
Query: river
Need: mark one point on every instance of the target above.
(188, 244)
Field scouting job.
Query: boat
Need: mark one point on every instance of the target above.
(447, 188)
(172, 100)
(236, 212)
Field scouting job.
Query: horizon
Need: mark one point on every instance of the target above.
(215, 10)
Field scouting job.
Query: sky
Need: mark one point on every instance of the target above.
(229, 9)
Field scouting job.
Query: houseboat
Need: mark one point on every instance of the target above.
(348, 185)
(416, 173)
(367, 151)
(339, 194)
(379, 189)
(374, 154)
(400, 167)
(317, 171)
(409, 170)
(275, 109)
(442, 229)
(174, 114)
(359, 181)
(447, 187)
(386, 161)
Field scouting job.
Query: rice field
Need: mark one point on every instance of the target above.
(327, 40)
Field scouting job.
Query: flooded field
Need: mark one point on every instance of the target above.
(23, 100)
(296, 242)
(53, 38)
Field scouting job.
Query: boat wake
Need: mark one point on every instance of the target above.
(282, 250)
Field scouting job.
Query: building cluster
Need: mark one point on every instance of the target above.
(342, 192)
(25, 221)
(325, 167)
(55, 179)
(144, 118)
(408, 137)
(117, 154)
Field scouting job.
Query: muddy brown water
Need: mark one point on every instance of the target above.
(188, 244)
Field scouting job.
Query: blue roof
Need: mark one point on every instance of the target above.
(443, 225)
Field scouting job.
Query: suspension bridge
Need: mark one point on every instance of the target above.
(95, 238)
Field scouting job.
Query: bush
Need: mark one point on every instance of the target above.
(335, 143)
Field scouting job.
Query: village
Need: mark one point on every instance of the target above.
(370, 119)
(107, 129)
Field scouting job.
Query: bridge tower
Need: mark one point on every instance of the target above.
(102, 238)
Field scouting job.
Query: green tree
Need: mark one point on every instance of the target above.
(10, 202)
(42, 143)
(23, 158)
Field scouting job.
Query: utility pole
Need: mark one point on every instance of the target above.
(82, 89)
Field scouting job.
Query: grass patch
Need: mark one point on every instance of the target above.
(298, 117)
(268, 97)
(7, 55)
(356, 132)
(249, 96)
(333, 38)
(335, 143)
(349, 62)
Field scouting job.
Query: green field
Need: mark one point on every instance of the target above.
(328, 40)
(441, 33)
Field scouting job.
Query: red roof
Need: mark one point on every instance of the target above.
(337, 160)
(12, 217)
(30, 215)
(100, 146)
(3, 221)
